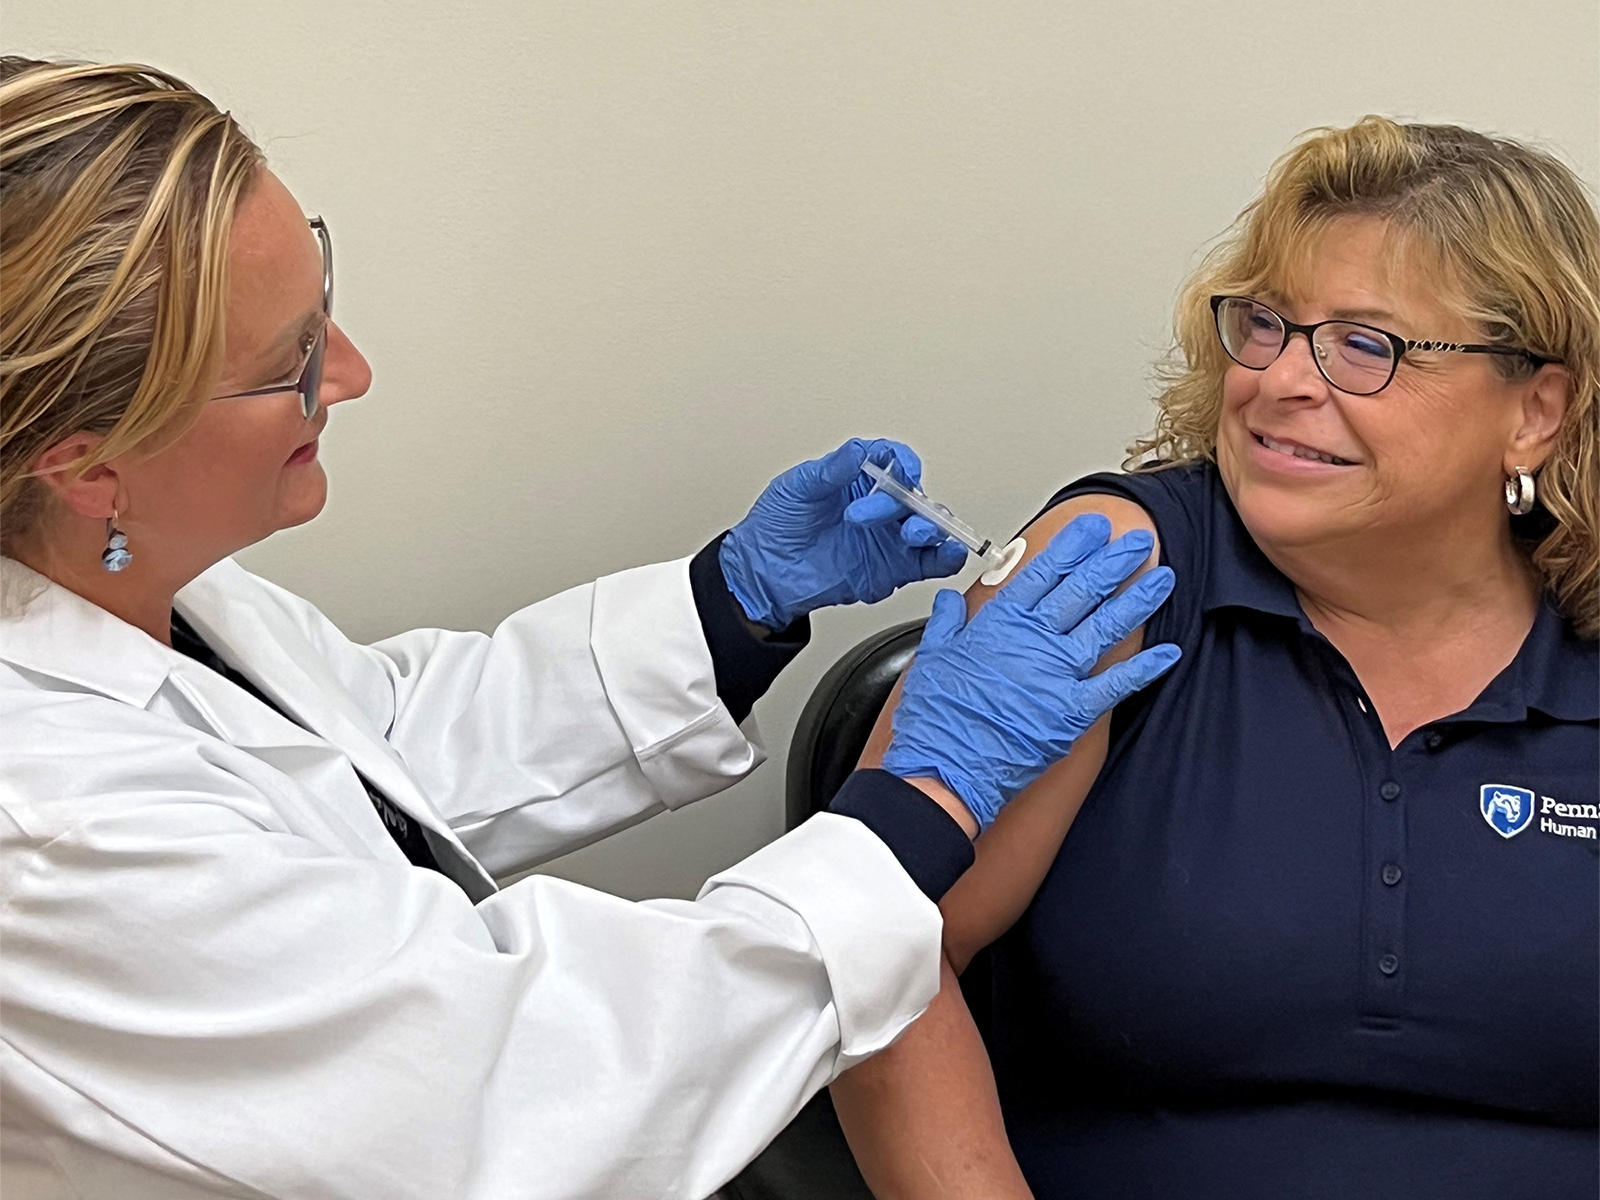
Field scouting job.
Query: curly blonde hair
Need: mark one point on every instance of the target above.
(1506, 229)
(118, 186)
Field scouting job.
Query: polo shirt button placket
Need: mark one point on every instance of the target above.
(1386, 830)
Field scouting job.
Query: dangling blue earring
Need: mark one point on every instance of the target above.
(116, 555)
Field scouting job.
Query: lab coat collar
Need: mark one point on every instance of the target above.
(278, 659)
(48, 630)
(59, 635)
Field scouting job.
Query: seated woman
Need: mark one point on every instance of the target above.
(1325, 925)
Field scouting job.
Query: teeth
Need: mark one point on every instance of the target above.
(1302, 452)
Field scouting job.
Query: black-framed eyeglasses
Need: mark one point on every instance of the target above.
(308, 383)
(1355, 358)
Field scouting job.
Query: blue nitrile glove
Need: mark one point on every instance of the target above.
(990, 703)
(815, 538)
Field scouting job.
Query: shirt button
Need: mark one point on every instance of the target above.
(1434, 741)
(1388, 964)
(1389, 790)
(1391, 873)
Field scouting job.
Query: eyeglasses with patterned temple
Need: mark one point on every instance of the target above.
(308, 380)
(1355, 358)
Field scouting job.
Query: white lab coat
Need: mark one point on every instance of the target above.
(222, 978)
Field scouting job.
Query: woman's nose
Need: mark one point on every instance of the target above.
(346, 373)
(1294, 372)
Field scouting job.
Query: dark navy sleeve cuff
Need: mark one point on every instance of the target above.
(933, 849)
(745, 665)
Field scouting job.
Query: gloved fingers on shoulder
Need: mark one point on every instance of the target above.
(948, 618)
(1121, 615)
(1099, 694)
(1078, 539)
(1100, 574)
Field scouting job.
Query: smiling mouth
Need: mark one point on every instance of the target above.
(1294, 450)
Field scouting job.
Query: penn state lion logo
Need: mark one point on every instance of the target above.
(1509, 810)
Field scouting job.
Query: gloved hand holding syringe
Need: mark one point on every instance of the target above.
(999, 560)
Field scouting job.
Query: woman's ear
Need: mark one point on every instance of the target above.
(90, 494)
(1545, 398)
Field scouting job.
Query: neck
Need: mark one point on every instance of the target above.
(1438, 582)
(140, 594)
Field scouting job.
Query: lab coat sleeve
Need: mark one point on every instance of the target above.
(580, 715)
(231, 1005)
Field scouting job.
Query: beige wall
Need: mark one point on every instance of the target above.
(615, 264)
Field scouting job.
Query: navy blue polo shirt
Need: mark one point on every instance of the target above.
(1277, 958)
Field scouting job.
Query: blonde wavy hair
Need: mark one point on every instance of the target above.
(1504, 229)
(118, 186)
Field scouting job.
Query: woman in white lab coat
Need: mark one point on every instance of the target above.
(252, 941)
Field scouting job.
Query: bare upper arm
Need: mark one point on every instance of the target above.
(1016, 851)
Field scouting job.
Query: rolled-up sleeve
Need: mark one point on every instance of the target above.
(659, 677)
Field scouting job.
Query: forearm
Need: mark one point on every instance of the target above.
(923, 1118)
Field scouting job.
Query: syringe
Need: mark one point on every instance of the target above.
(999, 560)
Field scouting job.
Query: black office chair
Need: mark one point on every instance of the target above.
(810, 1159)
(837, 720)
